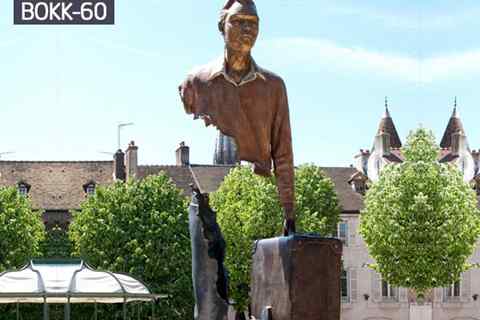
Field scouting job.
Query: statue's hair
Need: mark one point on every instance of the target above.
(224, 12)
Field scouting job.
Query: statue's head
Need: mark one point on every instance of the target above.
(239, 24)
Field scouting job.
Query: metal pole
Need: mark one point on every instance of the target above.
(18, 311)
(45, 309)
(96, 311)
(67, 309)
(153, 309)
(125, 308)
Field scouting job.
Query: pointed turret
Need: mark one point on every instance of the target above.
(387, 126)
(454, 126)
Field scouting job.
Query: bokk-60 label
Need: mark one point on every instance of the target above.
(64, 11)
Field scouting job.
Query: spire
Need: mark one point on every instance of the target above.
(387, 126)
(387, 112)
(225, 150)
(455, 111)
(454, 126)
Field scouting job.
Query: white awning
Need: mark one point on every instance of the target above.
(69, 281)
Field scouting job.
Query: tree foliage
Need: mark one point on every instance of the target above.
(420, 221)
(56, 244)
(248, 209)
(140, 227)
(21, 230)
(316, 201)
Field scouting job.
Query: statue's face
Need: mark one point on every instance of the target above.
(241, 31)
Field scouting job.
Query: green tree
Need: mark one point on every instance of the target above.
(420, 221)
(316, 201)
(56, 244)
(248, 209)
(140, 227)
(21, 230)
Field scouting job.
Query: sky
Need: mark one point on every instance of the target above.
(64, 89)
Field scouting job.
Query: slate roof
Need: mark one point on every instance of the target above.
(454, 125)
(350, 201)
(56, 185)
(387, 125)
(209, 178)
(180, 175)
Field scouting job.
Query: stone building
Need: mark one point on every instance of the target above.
(365, 295)
(57, 188)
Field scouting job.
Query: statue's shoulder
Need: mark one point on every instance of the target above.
(272, 77)
(203, 73)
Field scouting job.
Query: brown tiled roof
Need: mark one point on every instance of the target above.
(350, 201)
(209, 178)
(454, 125)
(56, 185)
(448, 157)
(392, 157)
(387, 125)
(180, 175)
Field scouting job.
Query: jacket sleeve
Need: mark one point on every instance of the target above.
(187, 94)
(282, 153)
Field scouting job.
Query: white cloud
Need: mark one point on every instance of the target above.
(327, 54)
(415, 19)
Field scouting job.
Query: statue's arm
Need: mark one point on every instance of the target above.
(282, 152)
(187, 94)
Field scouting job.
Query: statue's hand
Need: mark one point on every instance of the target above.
(289, 219)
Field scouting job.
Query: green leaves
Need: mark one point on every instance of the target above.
(140, 227)
(21, 230)
(421, 220)
(248, 209)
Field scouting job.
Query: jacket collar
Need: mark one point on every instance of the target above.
(219, 68)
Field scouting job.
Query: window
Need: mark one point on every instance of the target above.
(389, 292)
(89, 188)
(453, 292)
(342, 232)
(344, 286)
(23, 188)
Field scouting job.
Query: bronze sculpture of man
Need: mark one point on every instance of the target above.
(246, 102)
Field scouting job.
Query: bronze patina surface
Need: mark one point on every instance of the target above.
(246, 102)
(298, 277)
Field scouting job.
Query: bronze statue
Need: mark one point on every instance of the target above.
(246, 102)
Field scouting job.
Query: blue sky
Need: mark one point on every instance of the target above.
(65, 88)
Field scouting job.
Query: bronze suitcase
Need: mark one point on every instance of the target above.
(298, 277)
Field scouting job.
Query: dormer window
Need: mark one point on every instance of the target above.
(23, 188)
(89, 188)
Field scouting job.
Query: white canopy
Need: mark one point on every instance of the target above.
(69, 281)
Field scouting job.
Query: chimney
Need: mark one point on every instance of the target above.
(131, 161)
(476, 160)
(361, 161)
(183, 155)
(119, 166)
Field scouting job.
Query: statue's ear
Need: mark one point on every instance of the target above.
(221, 26)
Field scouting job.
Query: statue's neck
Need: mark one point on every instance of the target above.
(238, 64)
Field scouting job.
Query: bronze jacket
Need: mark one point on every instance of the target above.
(255, 113)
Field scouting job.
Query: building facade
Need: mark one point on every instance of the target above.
(365, 296)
